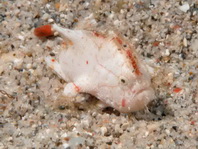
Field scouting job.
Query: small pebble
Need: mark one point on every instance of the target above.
(50, 20)
(167, 131)
(65, 145)
(185, 43)
(167, 52)
(185, 7)
(103, 130)
(45, 16)
(21, 37)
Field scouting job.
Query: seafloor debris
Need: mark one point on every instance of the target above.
(185, 7)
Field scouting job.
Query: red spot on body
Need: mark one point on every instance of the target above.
(118, 40)
(123, 102)
(87, 62)
(64, 44)
(44, 31)
(98, 34)
(177, 90)
(133, 62)
(77, 88)
(53, 60)
(70, 43)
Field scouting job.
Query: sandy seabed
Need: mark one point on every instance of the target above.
(35, 115)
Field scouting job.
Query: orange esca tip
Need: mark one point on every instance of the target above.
(44, 31)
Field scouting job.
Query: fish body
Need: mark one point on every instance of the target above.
(105, 66)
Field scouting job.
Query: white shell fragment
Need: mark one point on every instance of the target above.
(104, 66)
(185, 7)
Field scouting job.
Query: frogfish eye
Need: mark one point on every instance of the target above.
(123, 80)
